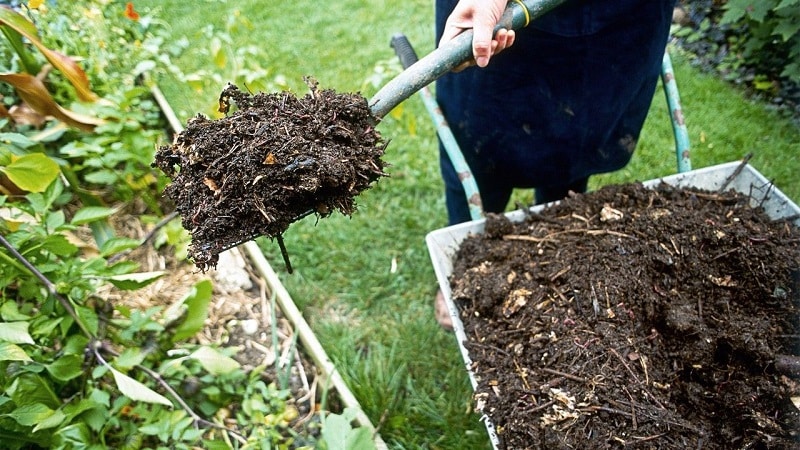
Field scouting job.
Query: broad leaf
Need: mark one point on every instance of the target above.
(17, 140)
(91, 214)
(15, 333)
(13, 352)
(66, 367)
(117, 245)
(66, 65)
(10, 312)
(133, 281)
(214, 362)
(30, 388)
(197, 301)
(30, 415)
(33, 92)
(33, 172)
(136, 391)
(129, 358)
(88, 318)
(52, 421)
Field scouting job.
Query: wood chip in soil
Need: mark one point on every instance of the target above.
(273, 160)
(636, 318)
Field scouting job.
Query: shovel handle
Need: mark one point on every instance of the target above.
(517, 15)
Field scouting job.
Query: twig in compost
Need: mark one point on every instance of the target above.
(735, 173)
(564, 374)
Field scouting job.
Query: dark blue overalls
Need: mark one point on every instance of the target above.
(566, 101)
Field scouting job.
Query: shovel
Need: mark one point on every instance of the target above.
(518, 15)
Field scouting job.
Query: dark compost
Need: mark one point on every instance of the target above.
(272, 160)
(636, 318)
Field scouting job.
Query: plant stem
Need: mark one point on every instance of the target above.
(160, 380)
(51, 288)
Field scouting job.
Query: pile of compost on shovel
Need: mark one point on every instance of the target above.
(636, 318)
(272, 161)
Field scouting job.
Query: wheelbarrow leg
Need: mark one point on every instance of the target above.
(408, 57)
(676, 114)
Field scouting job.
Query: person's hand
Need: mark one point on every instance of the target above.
(481, 16)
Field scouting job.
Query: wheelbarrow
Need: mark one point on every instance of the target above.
(443, 244)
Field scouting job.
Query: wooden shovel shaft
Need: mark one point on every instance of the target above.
(518, 14)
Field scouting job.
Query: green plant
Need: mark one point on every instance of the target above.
(339, 434)
(28, 80)
(76, 371)
(772, 40)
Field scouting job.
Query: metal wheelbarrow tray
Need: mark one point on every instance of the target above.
(443, 243)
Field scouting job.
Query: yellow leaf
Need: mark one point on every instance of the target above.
(34, 4)
(33, 92)
(66, 65)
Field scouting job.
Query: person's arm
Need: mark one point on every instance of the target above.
(481, 16)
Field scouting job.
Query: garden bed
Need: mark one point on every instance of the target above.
(663, 316)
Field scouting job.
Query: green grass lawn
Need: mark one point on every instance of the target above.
(377, 323)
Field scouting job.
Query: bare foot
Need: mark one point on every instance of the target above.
(442, 313)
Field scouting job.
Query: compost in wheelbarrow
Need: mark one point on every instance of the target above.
(658, 317)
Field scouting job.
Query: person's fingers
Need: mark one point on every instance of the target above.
(450, 31)
(483, 29)
(512, 36)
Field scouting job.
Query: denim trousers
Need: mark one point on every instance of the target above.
(568, 100)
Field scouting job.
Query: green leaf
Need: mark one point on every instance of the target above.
(117, 245)
(88, 318)
(91, 214)
(133, 281)
(13, 352)
(129, 358)
(31, 388)
(17, 140)
(29, 415)
(75, 436)
(197, 301)
(66, 367)
(15, 333)
(32, 173)
(137, 391)
(338, 434)
(786, 29)
(214, 362)
(215, 445)
(73, 409)
(52, 421)
(102, 177)
(59, 245)
(10, 311)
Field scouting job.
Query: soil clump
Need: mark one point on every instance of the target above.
(628, 317)
(275, 159)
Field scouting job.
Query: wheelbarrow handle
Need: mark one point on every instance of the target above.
(517, 15)
(405, 52)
